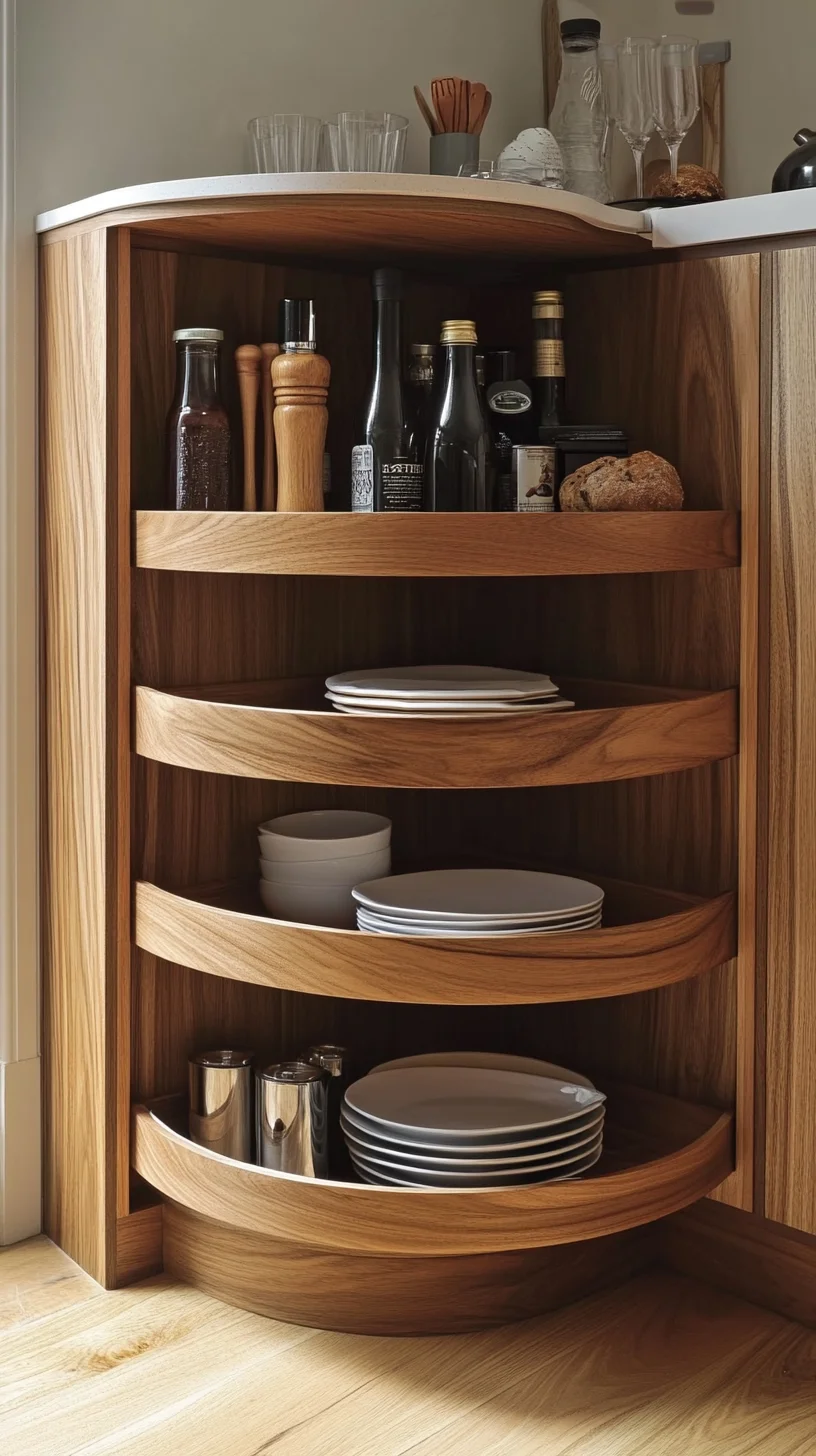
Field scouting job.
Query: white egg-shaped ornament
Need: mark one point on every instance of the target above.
(536, 146)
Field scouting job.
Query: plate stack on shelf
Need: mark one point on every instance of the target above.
(468, 902)
(469, 1121)
(444, 694)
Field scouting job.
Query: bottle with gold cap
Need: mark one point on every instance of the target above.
(458, 457)
(548, 359)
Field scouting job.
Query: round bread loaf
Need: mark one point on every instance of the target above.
(691, 181)
(643, 482)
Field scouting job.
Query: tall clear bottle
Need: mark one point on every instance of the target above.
(386, 471)
(578, 120)
(458, 455)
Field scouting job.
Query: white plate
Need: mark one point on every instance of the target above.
(441, 705)
(574, 1170)
(499, 894)
(542, 1157)
(557, 705)
(372, 1133)
(441, 681)
(437, 930)
(473, 1178)
(390, 921)
(496, 1061)
(462, 1103)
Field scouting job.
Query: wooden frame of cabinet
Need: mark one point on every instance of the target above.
(147, 784)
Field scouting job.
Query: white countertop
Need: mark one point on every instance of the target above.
(744, 219)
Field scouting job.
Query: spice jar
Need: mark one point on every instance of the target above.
(198, 432)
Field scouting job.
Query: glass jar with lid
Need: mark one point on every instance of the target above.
(198, 432)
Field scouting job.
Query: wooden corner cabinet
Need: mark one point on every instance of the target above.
(183, 659)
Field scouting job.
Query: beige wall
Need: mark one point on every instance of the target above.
(120, 91)
(770, 80)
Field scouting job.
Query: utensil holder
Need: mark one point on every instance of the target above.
(221, 1102)
(292, 1119)
(451, 150)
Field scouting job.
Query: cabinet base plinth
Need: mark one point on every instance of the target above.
(370, 1295)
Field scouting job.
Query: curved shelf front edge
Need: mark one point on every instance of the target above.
(359, 1219)
(618, 960)
(642, 731)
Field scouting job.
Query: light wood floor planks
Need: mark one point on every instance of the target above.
(659, 1367)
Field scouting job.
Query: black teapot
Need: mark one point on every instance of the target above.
(799, 169)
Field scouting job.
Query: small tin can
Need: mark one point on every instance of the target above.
(533, 479)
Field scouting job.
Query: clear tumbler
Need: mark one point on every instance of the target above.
(285, 143)
(366, 141)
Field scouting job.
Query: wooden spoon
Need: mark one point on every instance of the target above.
(428, 116)
(484, 114)
(476, 102)
(443, 99)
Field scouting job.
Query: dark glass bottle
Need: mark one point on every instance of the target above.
(509, 402)
(458, 462)
(548, 361)
(386, 472)
(198, 432)
(418, 393)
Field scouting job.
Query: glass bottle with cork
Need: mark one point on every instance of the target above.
(458, 455)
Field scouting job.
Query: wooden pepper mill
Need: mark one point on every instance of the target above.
(248, 368)
(268, 353)
(300, 378)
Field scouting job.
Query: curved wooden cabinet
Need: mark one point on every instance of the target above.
(618, 731)
(341, 544)
(662, 1155)
(228, 935)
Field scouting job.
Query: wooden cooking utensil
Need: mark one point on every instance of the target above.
(476, 101)
(248, 367)
(484, 114)
(442, 95)
(268, 353)
(301, 385)
(429, 118)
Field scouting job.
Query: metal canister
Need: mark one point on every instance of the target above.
(292, 1121)
(333, 1062)
(221, 1102)
(330, 1059)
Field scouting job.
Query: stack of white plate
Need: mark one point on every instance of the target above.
(310, 861)
(442, 1122)
(443, 693)
(477, 902)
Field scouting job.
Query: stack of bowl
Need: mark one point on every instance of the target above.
(310, 862)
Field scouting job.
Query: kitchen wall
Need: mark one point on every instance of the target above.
(770, 90)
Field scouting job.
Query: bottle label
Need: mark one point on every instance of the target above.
(402, 482)
(508, 399)
(548, 359)
(362, 478)
(533, 478)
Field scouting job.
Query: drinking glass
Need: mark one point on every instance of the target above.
(366, 141)
(677, 91)
(285, 143)
(635, 102)
(608, 66)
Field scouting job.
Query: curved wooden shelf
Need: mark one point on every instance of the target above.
(228, 934)
(662, 1155)
(341, 544)
(619, 731)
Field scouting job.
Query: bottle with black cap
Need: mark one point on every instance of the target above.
(458, 455)
(578, 119)
(297, 333)
(386, 474)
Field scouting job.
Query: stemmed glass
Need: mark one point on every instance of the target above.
(635, 102)
(677, 91)
(608, 64)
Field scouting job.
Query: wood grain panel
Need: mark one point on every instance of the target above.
(337, 544)
(586, 745)
(672, 355)
(663, 1155)
(227, 934)
(85, 740)
(387, 1295)
(746, 1254)
(138, 1245)
(791, 849)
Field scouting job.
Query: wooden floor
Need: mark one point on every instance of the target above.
(660, 1367)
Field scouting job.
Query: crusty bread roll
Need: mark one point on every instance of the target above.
(691, 181)
(643, 482)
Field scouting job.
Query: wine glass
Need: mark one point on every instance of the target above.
(608, 65)
(677, 91)
(635, 101)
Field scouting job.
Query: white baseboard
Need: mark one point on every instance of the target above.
(20, 1186)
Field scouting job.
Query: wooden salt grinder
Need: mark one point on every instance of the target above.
(301, 384)
(268, 353)
(248, 368)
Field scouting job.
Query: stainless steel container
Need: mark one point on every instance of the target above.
(330, 1059)
(221, 1102)
(292, 1122)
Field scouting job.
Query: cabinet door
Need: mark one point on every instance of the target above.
(790, 1172)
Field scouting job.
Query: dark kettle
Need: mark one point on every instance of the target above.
(799, 169)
